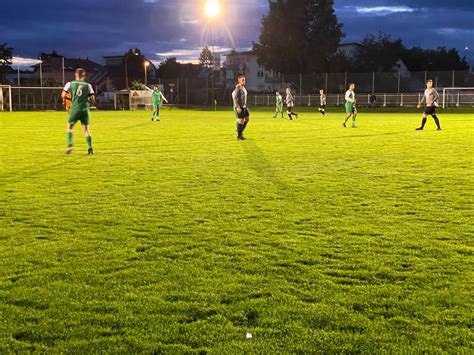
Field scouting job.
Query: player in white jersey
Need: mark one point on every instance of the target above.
(290, 103)
(431, 98)
(322, 102)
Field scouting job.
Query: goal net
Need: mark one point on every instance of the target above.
(458, 97)
(6, 98)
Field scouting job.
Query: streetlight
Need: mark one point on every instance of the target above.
(145, 65)
(126, 66)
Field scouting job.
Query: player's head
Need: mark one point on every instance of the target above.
(277, 93)
(321, 92)
(288, 90)
(429, 84)
(80, 74)
(155, 88)
(352, 86)
(241, 79)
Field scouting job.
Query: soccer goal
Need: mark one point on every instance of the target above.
(6, 98)
(457, 97)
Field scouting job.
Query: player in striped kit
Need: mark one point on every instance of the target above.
(322, 102)
(290, 103)
(431, 98)
(239, 97)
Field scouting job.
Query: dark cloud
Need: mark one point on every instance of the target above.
(95, 27)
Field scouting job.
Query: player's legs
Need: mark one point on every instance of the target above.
(69, 137)
(436, 119)
(158, 113)
(354, 116)
(349, 112)
(424, 118)
(289, 112)
(88, 136)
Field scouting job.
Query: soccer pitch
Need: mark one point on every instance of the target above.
(176, 238)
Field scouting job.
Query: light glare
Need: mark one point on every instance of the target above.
(212, 8)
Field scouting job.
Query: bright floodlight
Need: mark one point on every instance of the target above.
(212, 8)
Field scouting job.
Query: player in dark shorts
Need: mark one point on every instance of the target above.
(431, 97)
(81, 94)
(290, 103)
(239, 97)
(322, 102)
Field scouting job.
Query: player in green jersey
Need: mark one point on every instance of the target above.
(82, 94)
(157, 99)
(351, 108)
(278, 105)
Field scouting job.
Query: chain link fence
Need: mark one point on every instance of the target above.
(401, 88)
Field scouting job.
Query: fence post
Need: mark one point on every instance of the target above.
(327, 78)
(309, 100)
(454, 75)
(301, 84)
(186, 96)
(384, 100)
(398, 81)
(337, 99)
(177, 92)
(373, 82)
(401, 101)
(268, 100)
(459, 100)
(345, 81)
(255, 100)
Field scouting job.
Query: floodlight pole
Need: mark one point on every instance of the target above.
(41, 81)
(126, 67)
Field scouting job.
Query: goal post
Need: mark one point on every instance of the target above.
(6, 98)
(456, 97)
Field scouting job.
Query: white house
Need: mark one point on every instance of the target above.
(258, 77)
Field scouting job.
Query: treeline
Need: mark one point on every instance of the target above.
(303, 36)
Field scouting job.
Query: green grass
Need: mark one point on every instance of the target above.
(176, 238)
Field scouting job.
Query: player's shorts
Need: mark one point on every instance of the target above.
(244, 113)
(350, 107)
(289, 108)
(430, 110)
(322, 107)
(82, 116)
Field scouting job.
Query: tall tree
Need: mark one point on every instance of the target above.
(6, 56)
(299, 36)
(206, 59)
(379, 53)
(323, 34)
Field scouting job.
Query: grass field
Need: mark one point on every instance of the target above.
(176, 238)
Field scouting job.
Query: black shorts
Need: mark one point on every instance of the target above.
(244, 113)
(430, 110)
(289, 108)
(322, 107)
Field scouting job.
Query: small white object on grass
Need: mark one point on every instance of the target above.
(248, 336)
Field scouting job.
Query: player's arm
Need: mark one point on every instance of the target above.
(148, 89)
(421, 101)
(66, 91)
(235, 99)
(163, 97)
(91, 96)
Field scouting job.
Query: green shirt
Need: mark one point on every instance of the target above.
(279, 101)
(156, 98)
(80, 92)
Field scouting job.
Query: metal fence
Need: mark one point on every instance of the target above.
(401, 88)
(458, 99)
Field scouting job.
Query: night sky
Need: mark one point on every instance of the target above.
(161, 28)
